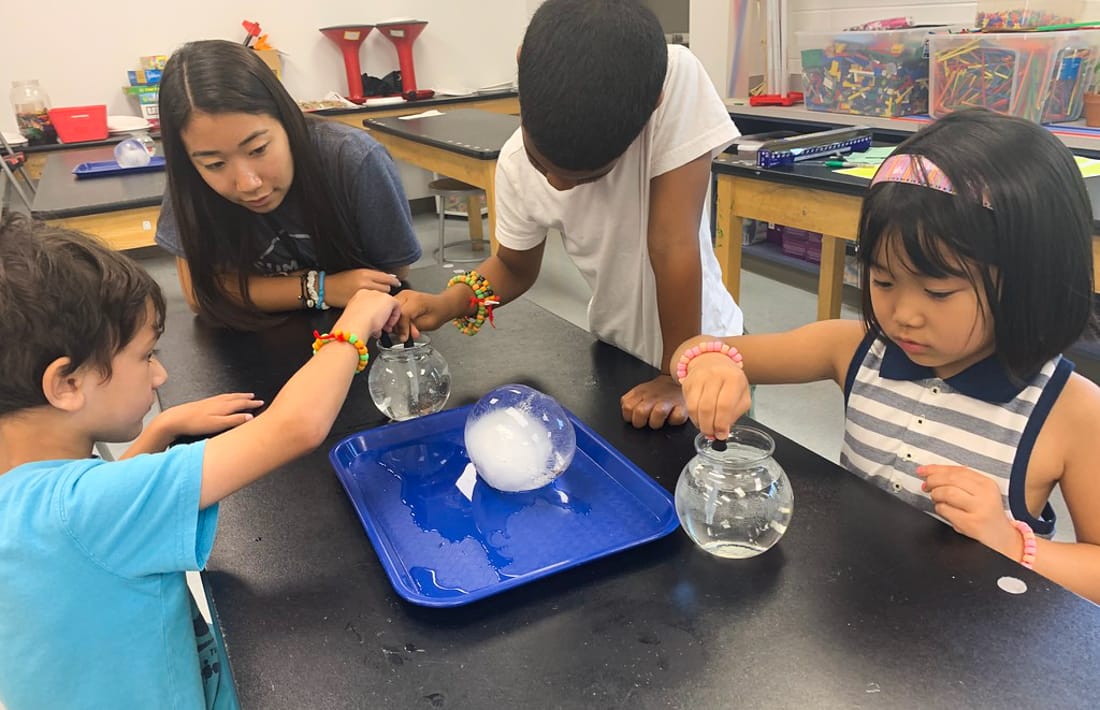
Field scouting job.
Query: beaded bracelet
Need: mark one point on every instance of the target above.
(321, 340)
(484, 299)
(321, 305)
(713, 346)
(1028, 558)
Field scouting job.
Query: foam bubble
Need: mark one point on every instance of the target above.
(512, 450)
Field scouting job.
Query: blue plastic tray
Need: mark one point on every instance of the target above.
(100, 168)
(441, 548)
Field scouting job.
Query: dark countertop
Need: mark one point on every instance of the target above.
(865, 601)
(61, 195)
(820, 177)
(422, 104)
(478, 134)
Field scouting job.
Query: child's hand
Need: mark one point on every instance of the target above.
(972, 504)
(207, 416)
(717, 393)
(654, 404)
(423, 311)
(368, 313)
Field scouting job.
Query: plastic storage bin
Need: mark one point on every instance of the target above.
(1038, 76)
(802, 244)
(77, 124)
(998, 15)
(882, 73)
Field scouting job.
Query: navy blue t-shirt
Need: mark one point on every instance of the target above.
(368, 193)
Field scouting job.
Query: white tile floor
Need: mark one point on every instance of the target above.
(809, 414)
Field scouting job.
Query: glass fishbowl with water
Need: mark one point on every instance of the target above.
(735, 501)
(409, 381)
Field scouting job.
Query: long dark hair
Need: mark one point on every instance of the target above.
(216, 76)
(1032, 245)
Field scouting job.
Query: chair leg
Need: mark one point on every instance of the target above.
(15, 183)
(442, 228)
(473, 216)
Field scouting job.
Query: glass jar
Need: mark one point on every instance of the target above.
(735, 502)
(407, 382)
(31, 106)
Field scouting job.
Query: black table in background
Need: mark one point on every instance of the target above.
(470, 132)
(865, 601)
(61, 195)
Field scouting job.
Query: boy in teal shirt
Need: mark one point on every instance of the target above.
(94, 607)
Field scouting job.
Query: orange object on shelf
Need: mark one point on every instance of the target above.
(792, 98)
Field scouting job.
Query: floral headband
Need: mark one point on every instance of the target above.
(917, 170)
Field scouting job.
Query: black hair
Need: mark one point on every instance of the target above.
(590, 76)
(214, 77)
(1032, 246)
(64, 294)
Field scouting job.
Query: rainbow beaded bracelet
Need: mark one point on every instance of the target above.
(320, 340)
(483, 298)
(713, 346)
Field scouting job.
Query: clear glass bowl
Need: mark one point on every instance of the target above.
(736, 502)
(408, 382)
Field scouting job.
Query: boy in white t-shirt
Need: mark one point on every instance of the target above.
(614, 151)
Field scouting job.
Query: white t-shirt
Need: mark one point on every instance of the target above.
(604, 223)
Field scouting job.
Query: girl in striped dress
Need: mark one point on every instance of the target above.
(975, 252)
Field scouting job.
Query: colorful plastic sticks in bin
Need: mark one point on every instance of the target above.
(1016, 74)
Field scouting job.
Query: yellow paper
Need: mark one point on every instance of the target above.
(864, 171)
(1089, 167)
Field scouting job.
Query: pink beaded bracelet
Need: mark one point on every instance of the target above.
(1028, 558)
(713, 346)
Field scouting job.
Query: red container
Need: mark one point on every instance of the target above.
(78, 124)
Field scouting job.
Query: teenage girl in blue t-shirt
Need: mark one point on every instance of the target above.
(258, 191)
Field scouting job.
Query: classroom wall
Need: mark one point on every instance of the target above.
(80, 50)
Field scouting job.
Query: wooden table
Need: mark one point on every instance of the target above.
(462, 144)
(120, 210)
(810, 197)
(864, 602)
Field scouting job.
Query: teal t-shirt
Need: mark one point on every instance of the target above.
(94, 606)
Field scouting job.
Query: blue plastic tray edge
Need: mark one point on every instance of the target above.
(404, 587)
(102, 168)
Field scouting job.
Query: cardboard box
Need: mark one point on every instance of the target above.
(272, 59)
(154, 61)
(144, 77)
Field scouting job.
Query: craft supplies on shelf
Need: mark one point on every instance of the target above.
(877, 73)
(1000, 15)
(1038, 76)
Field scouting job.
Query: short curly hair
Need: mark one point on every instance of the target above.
(64, 294)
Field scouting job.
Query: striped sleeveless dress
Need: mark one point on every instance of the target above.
(899, 415)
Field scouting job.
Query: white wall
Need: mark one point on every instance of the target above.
(80, 49)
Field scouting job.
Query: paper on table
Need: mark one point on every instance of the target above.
(1089, 167)
(422, 114)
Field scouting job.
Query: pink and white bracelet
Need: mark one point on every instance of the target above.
(1028, 558)
(713, 346)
